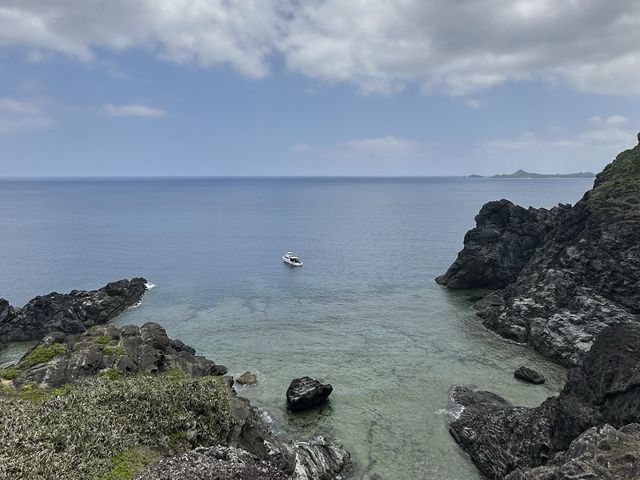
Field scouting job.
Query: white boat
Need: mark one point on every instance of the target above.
(292, 259)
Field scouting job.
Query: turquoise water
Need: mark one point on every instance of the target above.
(363, 313)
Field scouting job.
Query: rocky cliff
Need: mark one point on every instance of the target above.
(503, 439)
(561, 275)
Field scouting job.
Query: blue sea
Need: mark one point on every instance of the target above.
(363, 314)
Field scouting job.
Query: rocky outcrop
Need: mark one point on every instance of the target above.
(497, 249)
(563, 275)
(306, 392)
(69, 313)
(528, 375)
(501, 438)
(599, 453)
(212, 463)
(111, 351)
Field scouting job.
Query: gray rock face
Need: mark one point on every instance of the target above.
(575, 275)
(501, 438)
(306, 392)
(70, 313)
(126, 350)
(599, 453)
(529, 375)
(214, 463)
(497, 249)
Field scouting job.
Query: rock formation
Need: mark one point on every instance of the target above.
(111, 350)
(306, 392)
(562, 275)
(72, 312)
(247, 378)
(599, 453)
(605, 389)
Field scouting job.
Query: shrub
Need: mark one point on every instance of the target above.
(108, 429)
(42, 354)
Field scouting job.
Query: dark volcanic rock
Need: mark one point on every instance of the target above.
(70, 313)
(599, 453)
(575, 275)
(500, 437)
(305, 392)
(126, 350)
(214, 463)
(496, 250)
(529, 375)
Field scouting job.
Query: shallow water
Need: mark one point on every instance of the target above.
(363, 313)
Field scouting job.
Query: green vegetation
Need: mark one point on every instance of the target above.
(9, 373)
(42, 354)
(117, 350)
(103, 339)
(619, 188)
(110, 373)
(131, 461)
(103, 429)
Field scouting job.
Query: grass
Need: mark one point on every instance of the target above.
(42, 354)
(620, 187)
(103, 339)
(108, 429)
(9, 373)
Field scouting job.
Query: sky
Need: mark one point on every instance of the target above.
(316, 87)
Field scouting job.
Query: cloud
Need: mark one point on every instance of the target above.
(134, 110)
(22, 115)
(453, 47)
(473, 103)
(606, 134)
(389, 146)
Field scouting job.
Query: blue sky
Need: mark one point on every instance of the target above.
(279, 87)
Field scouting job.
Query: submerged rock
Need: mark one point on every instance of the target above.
(69, 313)
(501, 438)
(247, 378)
(109, 350)
(565, 274)
(529, 375)
(306, 392)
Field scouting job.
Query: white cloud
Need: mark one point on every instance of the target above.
(606, 134)
(442, 46)
(21, 115)
(134, 110)
(389, 146)
(612, 121)
(473, 103)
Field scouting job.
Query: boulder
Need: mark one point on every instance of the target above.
(529, 375)
(70, 313)
(306, 392)
(247, 378)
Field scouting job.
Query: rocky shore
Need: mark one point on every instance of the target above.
(559, 276)
(565, 282)
(164, 411)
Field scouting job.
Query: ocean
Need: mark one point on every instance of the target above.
(363, 314)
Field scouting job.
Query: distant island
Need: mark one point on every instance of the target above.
(523, 174)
